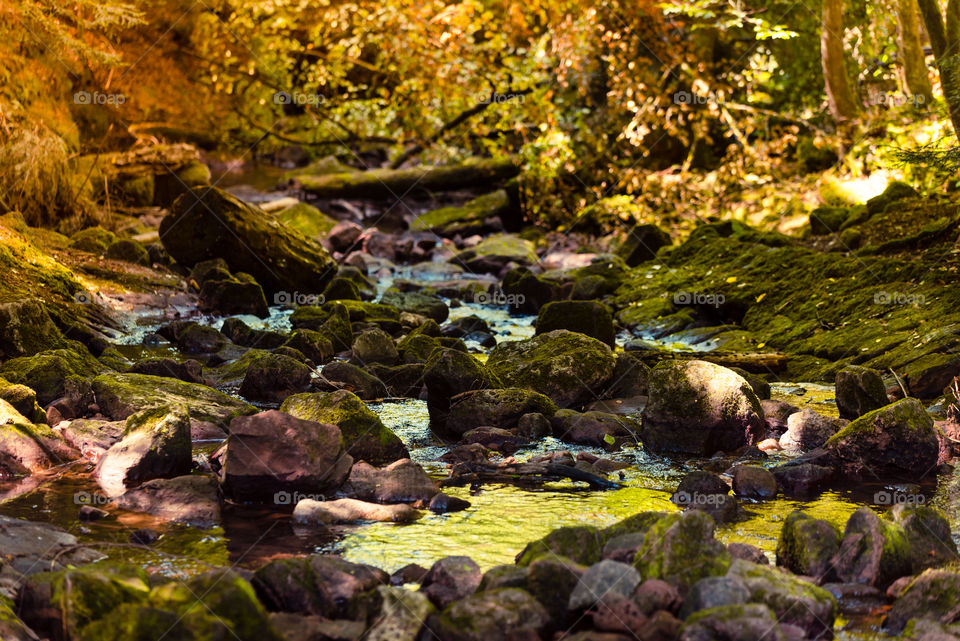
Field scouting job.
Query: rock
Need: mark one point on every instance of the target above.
(895, 191)
(323, 585)
(642, 244)
(242, 334)
(807, 546)
(314, 345)
(530, 292)
(899, 441)
(551, 581)
(28, 447)
(570, 368)
(533, 426)
(90, 513)
(581, 544)
(501, 407)
(93, 239)
(341, 289)
(873, 551)
(601, 579)
(22, 398)
(189, 370)
(120, 395)
(494, 615)
(233, 296)
(594, 428)
(273, 378)
(495, 252)
(451, 579)
(26, 329)
(680, 549)
(750, 481)
(410, 573)
(313, 512)
(828, 220)
(699, 408)
(400, 482)
(416, 303)
(792, 600)
(363, 384)
(801, 480)
(344, 236)
(190, 500)
(273, 452)
(444, 504)
(714, 592)
(707, 492)
(449, 372)
(200, 339)
(586, 317)
(732, 623)
(91, 437)
(54, 374)
(402, 615)
(928, 534)
(375, 346)
(631, 377)
(775, 415)
(807, 430)
(932, 595)
(747, 552)
(155, 444)
(859, 390)
(209, 223)
(365, 437)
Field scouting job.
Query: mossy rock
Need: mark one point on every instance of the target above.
(895, 191)
(449, 372)
(590, 318)
(503, 613)
(314, 345)
(95, 240)
(139, 622)
(934, 594)
(928, 533)
(23, 399)
(581, 544)
(170, 185)
(120, 395)
(733, 622)
(416, 303)
(608, 216)
(501, 408)
(29, 447)
(642, 244)
(365, 437)
(307, 220)
(26, 329)
(464, 220)
(551, 580)
(341, 289)
(55, 373)
(495, 251)
(417, 348)
(828, 220)
(130, 251)
(873, 551)
(680, 549)
(807, 545)
(568, 367)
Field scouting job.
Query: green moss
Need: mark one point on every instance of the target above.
(680, 549)
(451, 220)
(306, 219)
(95, 240)
(581, 544)
(52, 373)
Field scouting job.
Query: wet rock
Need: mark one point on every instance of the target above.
(313, 512)
(642, 244)
(90, 513)
(699, 408)
(274, 452)
(732, 623)
(681, 550)
(402, 381)
(189, 370)
(444, 503)
(707, 492)
(365, 437)
(313, 345)
(807, 430)
(22, 398)
(807, 546)
(29, 447)
(191, 500)
(495, 615)
(460, 327)
(375, 346)
(533, 426)
(54, 374)
(451, 579)
(400, 482)
(530, 292)
(873, 551)
(932, 595)
(586, 317)
(410, 573)
(494, 438)
(155, 444)
(449, 372)
(570, 368)
(551, 581)
(775, 415)
(631, 377)
(581, 544)
(209, 223)
(601, 579)
(801, 480)
(363, 384)
(599, 429)
(747, 552)
(928, 534)
(242, 334)
(899, 441)
(498, 407)
(750, 481)
(323, 585)
(26, 329)
(416, 303)
(200, 339)
(120, 395)
(402, 615)
(274, 377)
(233, 296)
(792, 600)
(859, 390)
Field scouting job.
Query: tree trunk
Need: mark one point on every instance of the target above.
(843, 105)
(911, 51)
(946, 47)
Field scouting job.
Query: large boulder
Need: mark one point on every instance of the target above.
(680, 549)
(570, 368)
(807, 546)
(208, 223)
(859, 390)
(502, 408)
(450, 372)
(155, 444)
(274, 452)
(699, 408)
(899, 440)
(365, 437)
(494, 615)
(120, 395)
(584, 316)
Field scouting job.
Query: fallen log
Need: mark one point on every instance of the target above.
(467, 473)
(376, 184)
(757, 363)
